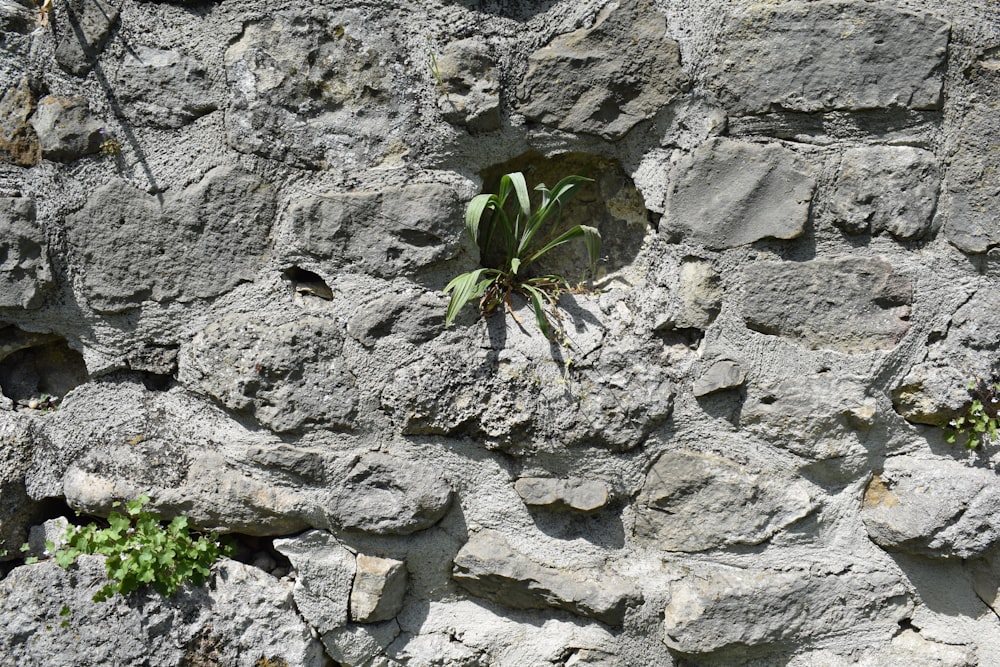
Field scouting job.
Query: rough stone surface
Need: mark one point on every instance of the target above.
(970, 188)
(384, 494)
(361, 644)
(165, 87)
(849, 305)
(692, 502)
(244, 615)
(934, 390)
(17, 438)
(18, 141)
(470, 90)
(240, 315)
(931, 507)
(488, 566)
(288, 375)
(573, 494)
(822, 418)
(730, 193)
(389, 232)
(847, 55)
(66, 128)
(309, 89)
(594, 80)
(467, 391)
(885, 189)
(85, 30)
(25, 273)
(721, 375)
(196, 244)
(324, 572)
(722, 611)
(378, 589)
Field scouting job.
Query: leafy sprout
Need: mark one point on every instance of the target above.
(524, 236)
(141, 551)
(980, 422)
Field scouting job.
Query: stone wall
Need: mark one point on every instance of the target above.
(225, 228)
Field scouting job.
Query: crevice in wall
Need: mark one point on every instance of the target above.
(37, 370)
(611, 203)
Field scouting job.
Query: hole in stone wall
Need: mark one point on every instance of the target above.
(307, 284)
(611, 203)
(38, 376)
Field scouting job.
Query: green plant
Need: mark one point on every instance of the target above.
(141, 550)
(522, 241)
(979, 424)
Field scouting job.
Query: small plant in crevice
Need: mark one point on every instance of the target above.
(524, 236)
(980, 422)
(110, 147)
(140, 550)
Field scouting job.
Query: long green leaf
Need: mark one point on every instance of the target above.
(591, 237)
(521, 190)
(537, 304)
(465, 288)
(474, 214)
(552, 204)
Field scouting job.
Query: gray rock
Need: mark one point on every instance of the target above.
(410, 312)
(470, 87)
(312, 88)
(697, 299)
(692, 502)
(378, 589)
(18, 141)
(196, 244)
(51, 531)
(579, 495)
(241, 614)
(968, 197)
(936, 508)
(17, 509)
(931, 394)
(66, 128)
(84, 32)
(488, 567)
(387, 233)
(533, 401)
(849, 305)
(846, 55)
(721, 375)
(290, 375)
(730, 193)
(595, 80)
(115, 439)
(890, 189)
(164, 87)
(15, 17)
(388, 495)
(722, 612)
(324, 570)
(25, 273)
(934, 390)
(821, 417)
(361, 644)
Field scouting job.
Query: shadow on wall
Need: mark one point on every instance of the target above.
(611, 203)
(37, 369)
(520, 10)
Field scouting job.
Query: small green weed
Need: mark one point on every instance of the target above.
(140, 551)
(978, 426)
(522, 241)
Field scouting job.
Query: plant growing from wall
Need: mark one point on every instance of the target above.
(524, 236)
(979, 424)
(140, 550)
